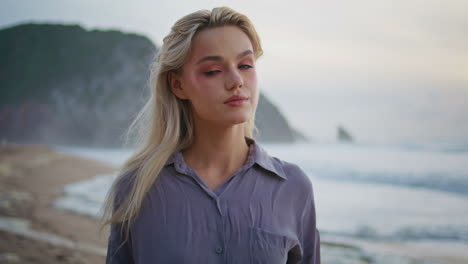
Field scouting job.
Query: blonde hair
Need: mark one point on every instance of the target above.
(165, 125)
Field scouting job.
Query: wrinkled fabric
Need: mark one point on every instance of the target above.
(263, 213)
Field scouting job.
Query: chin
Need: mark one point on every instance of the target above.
(239, 119)
(230, 118)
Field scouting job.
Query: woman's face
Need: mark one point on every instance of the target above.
(221, 64)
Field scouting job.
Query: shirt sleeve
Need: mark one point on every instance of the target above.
(118, 251)
(310, 234)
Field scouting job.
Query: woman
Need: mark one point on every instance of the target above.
(200, 189)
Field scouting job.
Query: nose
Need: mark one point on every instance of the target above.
(235, 79)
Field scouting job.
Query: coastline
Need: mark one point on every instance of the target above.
(31, 178)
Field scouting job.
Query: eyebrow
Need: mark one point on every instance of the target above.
(219, 58)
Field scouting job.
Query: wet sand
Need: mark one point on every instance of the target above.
(31, 178)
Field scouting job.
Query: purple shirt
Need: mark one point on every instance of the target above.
(264, 213)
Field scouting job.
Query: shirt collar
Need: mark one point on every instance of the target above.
(262, 158)
(257, 154)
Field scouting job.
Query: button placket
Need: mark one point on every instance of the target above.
(218, 205)
(219, 248)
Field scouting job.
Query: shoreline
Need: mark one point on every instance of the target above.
(32, 177)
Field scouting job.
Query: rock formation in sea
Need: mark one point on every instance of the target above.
(343, 135)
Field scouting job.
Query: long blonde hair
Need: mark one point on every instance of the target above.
(165, 124)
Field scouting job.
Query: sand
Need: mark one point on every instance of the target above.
(31, 178)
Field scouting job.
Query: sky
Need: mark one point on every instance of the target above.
(321, 50)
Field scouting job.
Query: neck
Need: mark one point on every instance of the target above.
(217, 148)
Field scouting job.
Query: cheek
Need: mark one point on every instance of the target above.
(198, 85)
(199, 78)
(251, 77)
(204, 90)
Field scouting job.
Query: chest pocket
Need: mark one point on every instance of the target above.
(267, 247)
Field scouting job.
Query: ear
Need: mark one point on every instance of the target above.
(175, 84)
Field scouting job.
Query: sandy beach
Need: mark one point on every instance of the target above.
(32, 230)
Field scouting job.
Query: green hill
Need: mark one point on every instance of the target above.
(64, 84)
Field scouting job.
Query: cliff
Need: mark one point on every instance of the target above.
(63, 84)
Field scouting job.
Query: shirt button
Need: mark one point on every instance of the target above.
(219, 250)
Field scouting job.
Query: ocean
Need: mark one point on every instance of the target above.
(376, 203)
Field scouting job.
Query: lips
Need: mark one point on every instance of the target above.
(236, 98)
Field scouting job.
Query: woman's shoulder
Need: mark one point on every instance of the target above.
(123, 183)
(298, 185)
(294, 172)
(295, 175)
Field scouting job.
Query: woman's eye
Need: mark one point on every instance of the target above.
(247, 66)
(211, 73)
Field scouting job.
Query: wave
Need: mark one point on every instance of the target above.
(441, 181)
(432, 146)
(86, 197)
(415, 166)
(407, 233)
